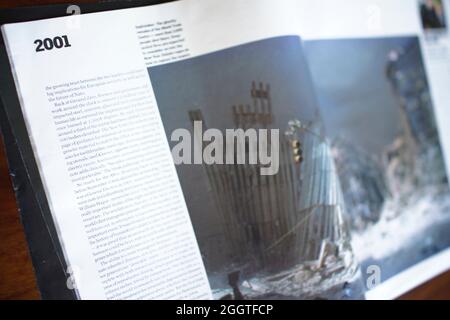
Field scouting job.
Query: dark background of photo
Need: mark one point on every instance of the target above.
(17, 279)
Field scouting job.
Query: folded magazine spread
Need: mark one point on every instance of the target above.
(258, 150)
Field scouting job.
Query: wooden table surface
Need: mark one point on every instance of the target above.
(17, 279)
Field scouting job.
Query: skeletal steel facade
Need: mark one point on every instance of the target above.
(275, 222)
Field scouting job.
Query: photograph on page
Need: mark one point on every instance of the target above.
(432, 15)
(280, 236)
(361, 191)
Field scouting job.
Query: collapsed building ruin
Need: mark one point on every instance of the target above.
(293, 220)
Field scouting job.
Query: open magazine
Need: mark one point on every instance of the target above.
(242, 149)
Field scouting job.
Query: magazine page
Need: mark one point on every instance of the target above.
(381, 73)
(106, 168)
(97, 135)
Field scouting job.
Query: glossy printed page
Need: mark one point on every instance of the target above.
(100, 146)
